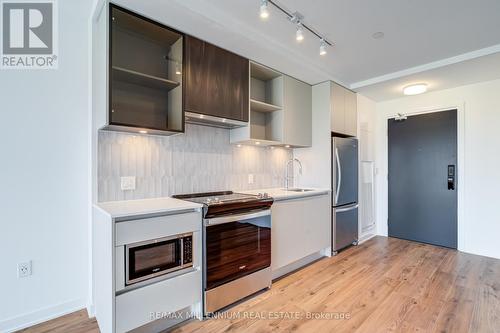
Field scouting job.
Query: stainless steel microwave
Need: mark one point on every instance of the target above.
(152, 258)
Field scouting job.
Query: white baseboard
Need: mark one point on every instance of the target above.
(39, 316)
(91, 310)
(299, 263)
(366, 237)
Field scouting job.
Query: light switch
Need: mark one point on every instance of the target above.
(128, 183)
(250, 178)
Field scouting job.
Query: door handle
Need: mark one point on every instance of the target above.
(339, 177)
(451, 177)
(346, 209)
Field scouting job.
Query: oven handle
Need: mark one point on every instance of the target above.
(238, 217)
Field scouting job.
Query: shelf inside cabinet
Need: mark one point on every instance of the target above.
(262, 72)
(130, 76)
(259, 106)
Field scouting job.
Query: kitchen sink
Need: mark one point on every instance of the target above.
(298, 189)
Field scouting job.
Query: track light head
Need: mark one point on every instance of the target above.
(264, 11)
(299, 35)
(322, 47)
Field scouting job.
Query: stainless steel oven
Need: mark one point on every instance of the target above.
(237, 257)
(152, 258)
(236, 245)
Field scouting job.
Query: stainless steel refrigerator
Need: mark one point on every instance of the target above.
(344, 193)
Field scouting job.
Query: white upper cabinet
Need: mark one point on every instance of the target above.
(297, 129)
(344, 113)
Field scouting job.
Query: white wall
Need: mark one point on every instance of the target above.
(45, 184)
(479, 222)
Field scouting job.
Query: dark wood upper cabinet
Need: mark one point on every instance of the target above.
(216, 81)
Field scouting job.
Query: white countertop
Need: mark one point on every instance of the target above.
(127, 208)
(281, 194)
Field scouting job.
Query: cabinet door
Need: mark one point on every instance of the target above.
(338, 109)
(294, 234)
(195, 72)
(216, 81)
(351, 113)
(297, 127)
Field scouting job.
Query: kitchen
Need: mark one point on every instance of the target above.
(242, 229)
(229, 188)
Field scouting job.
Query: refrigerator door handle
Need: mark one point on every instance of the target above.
(339, 171)
(346, 209)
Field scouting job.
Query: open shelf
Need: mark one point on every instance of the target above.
(262, 72)
(259, 106)
(130, 76)
(266, 109)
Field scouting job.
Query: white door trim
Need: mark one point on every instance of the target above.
(460, 107)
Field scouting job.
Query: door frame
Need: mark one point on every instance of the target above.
(460, 107)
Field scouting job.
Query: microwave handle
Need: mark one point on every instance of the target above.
(237, 217)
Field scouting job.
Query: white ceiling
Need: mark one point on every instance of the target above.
(420, 35)
(476, 70)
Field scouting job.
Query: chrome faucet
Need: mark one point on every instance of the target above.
(287, 167)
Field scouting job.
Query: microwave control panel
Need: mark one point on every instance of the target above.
(188, 250)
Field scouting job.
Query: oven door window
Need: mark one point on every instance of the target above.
(237, 249)
(153, 259)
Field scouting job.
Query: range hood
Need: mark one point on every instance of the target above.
(201, 119)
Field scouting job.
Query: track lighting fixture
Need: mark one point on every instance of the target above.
(296, 18)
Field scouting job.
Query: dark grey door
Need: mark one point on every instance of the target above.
(345, 171)
(422, 178)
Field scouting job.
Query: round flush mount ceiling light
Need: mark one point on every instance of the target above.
(415, 89)
(264, 11)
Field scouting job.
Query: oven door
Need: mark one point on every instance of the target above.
(152, 258)
(236, 245)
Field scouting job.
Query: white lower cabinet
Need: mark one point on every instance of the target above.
(300, 228)
(144, 305)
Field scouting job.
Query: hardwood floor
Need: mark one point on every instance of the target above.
(383, 285)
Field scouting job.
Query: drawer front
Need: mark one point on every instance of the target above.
(156, 227)
(138, 307)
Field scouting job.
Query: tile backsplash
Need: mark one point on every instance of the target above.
(198, 161)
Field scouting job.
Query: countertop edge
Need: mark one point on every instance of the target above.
(279, 194)
(162, 209)
(301, 195)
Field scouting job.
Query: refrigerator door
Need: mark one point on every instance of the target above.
(344, 171)
(345, 226)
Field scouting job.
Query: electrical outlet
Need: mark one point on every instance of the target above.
(128, 183)
(250, 178)
(24, 269)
